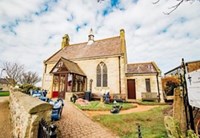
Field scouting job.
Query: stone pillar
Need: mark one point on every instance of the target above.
(179, 109)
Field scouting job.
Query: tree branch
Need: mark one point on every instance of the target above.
(174, 7)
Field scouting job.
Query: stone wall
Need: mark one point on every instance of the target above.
(26, 113)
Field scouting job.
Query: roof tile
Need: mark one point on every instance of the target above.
(140, 68)
(104, 47)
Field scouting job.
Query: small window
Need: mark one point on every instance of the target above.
(148, 85)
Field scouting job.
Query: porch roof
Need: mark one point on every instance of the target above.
(71, 66)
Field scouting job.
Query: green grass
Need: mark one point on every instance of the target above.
(149, 103)
(100, 106)
(151, 122)
(4, 93)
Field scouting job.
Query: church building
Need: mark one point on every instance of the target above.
(97, 66)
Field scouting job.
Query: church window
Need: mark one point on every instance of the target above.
(148, 85)
(102, 76)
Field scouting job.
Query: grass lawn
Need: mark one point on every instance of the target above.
(151, 122)
(100, 106)
(149, 103)
(4, 93)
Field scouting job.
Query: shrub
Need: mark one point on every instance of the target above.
(169, 84)
(25, 88)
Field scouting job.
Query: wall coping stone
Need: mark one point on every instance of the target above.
(31, 104)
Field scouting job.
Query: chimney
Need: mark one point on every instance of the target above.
(122, 34)
(90, 37)
(65, 41)
(123, 44)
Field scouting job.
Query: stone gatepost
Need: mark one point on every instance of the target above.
(26, 113)
(179, 109)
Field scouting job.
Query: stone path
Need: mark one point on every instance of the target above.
(75, 124)
(5, 124)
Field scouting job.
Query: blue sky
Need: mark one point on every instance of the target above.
(31, 31)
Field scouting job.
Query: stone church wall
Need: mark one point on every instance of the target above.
(89, 67)
(26, 112)
(47, 78)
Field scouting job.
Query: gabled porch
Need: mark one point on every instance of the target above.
(68, 78)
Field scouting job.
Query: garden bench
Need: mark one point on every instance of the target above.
(79, 95)
(149, 96)
(96, 96)
(118, 97)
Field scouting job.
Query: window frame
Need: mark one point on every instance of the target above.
(101, 75)
(148, 84)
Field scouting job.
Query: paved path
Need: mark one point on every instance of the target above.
(5, 124)
(75, 124)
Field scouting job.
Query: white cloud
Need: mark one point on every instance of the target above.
(150, 35)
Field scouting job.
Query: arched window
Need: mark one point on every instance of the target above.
(102, 79)
(99, 76)
(104, 75)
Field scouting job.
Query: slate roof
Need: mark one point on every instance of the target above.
(142, 68)
(71, 66)
(100, 48)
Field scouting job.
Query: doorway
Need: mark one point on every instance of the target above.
(131, 89)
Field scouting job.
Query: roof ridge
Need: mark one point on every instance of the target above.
(66, 59)
(140, 63)
(94, 40)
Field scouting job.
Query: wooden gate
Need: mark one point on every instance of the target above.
(131, 89)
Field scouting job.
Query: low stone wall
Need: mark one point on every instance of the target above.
(26, 113)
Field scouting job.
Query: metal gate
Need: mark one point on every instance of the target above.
(46, 131)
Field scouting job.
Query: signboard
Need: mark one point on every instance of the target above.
(193, 86)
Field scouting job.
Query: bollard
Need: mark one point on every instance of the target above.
(139, 131)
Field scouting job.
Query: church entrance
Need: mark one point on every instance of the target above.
(67, 77)
(131, 89)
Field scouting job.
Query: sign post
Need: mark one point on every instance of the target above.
(190, 124)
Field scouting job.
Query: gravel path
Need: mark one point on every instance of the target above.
(5, 124)
(75, 124)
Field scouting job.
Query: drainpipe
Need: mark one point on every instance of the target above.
(158, 86)
(119, 76)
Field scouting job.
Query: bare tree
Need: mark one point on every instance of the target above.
(13, 71)
(29, 78)
(174, 7)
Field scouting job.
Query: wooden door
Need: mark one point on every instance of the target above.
(62, 86)
(131, 89)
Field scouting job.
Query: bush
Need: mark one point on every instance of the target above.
(169, 84)
(25, 88)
